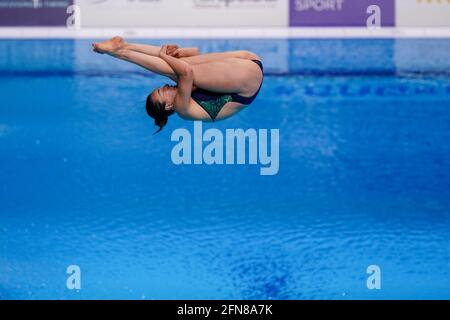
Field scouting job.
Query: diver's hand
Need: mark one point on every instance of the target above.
(163, 51)
(185, 52)
(172, 49)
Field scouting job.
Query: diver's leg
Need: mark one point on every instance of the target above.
(193, 58)
(153, 64)
(154, 50)
(218, 72)
(116, 47)
(143, 48)
(151, 50)
(192, 54)
(217, 56)
(117, 42)
(228, 75)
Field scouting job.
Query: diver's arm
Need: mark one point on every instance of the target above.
(180, 67)
(185, 77)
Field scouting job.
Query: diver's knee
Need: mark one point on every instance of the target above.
(245, 54)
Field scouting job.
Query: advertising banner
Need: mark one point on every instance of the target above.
(328, 13)
(34, 12)
(183, 13)
(430, 13)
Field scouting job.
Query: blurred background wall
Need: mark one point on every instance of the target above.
(33, 12)
(225, 13)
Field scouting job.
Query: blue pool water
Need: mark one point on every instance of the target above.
(364, 178)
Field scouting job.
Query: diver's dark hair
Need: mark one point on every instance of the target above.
(158, 112)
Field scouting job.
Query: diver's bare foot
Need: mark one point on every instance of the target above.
(110, 46)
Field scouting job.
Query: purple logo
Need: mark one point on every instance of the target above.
(34, 12)
(328, 13)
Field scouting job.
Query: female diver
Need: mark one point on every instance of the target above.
(209, 87)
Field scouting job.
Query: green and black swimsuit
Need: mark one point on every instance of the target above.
(213, 102)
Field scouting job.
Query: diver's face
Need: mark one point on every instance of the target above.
(164, 96)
